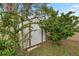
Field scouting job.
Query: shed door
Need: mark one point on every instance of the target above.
(36, 35)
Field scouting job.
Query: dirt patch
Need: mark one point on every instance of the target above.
(74, 37)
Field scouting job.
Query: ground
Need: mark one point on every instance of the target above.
(68, 47)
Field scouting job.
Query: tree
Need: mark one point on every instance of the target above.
(9, 22)
(12, 15)
(59, 27)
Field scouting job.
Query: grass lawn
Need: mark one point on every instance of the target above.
(66, 48)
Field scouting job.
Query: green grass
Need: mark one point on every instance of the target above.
(67, 48)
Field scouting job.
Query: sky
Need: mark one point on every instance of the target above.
(65, 7)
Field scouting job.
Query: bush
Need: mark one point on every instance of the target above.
(60, 27)
(6, 48)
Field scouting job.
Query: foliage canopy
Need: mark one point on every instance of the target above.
(60, 27)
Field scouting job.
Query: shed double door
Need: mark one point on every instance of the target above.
(36, 34)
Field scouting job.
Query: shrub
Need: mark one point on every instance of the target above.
(60, 27)
(6, 48)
